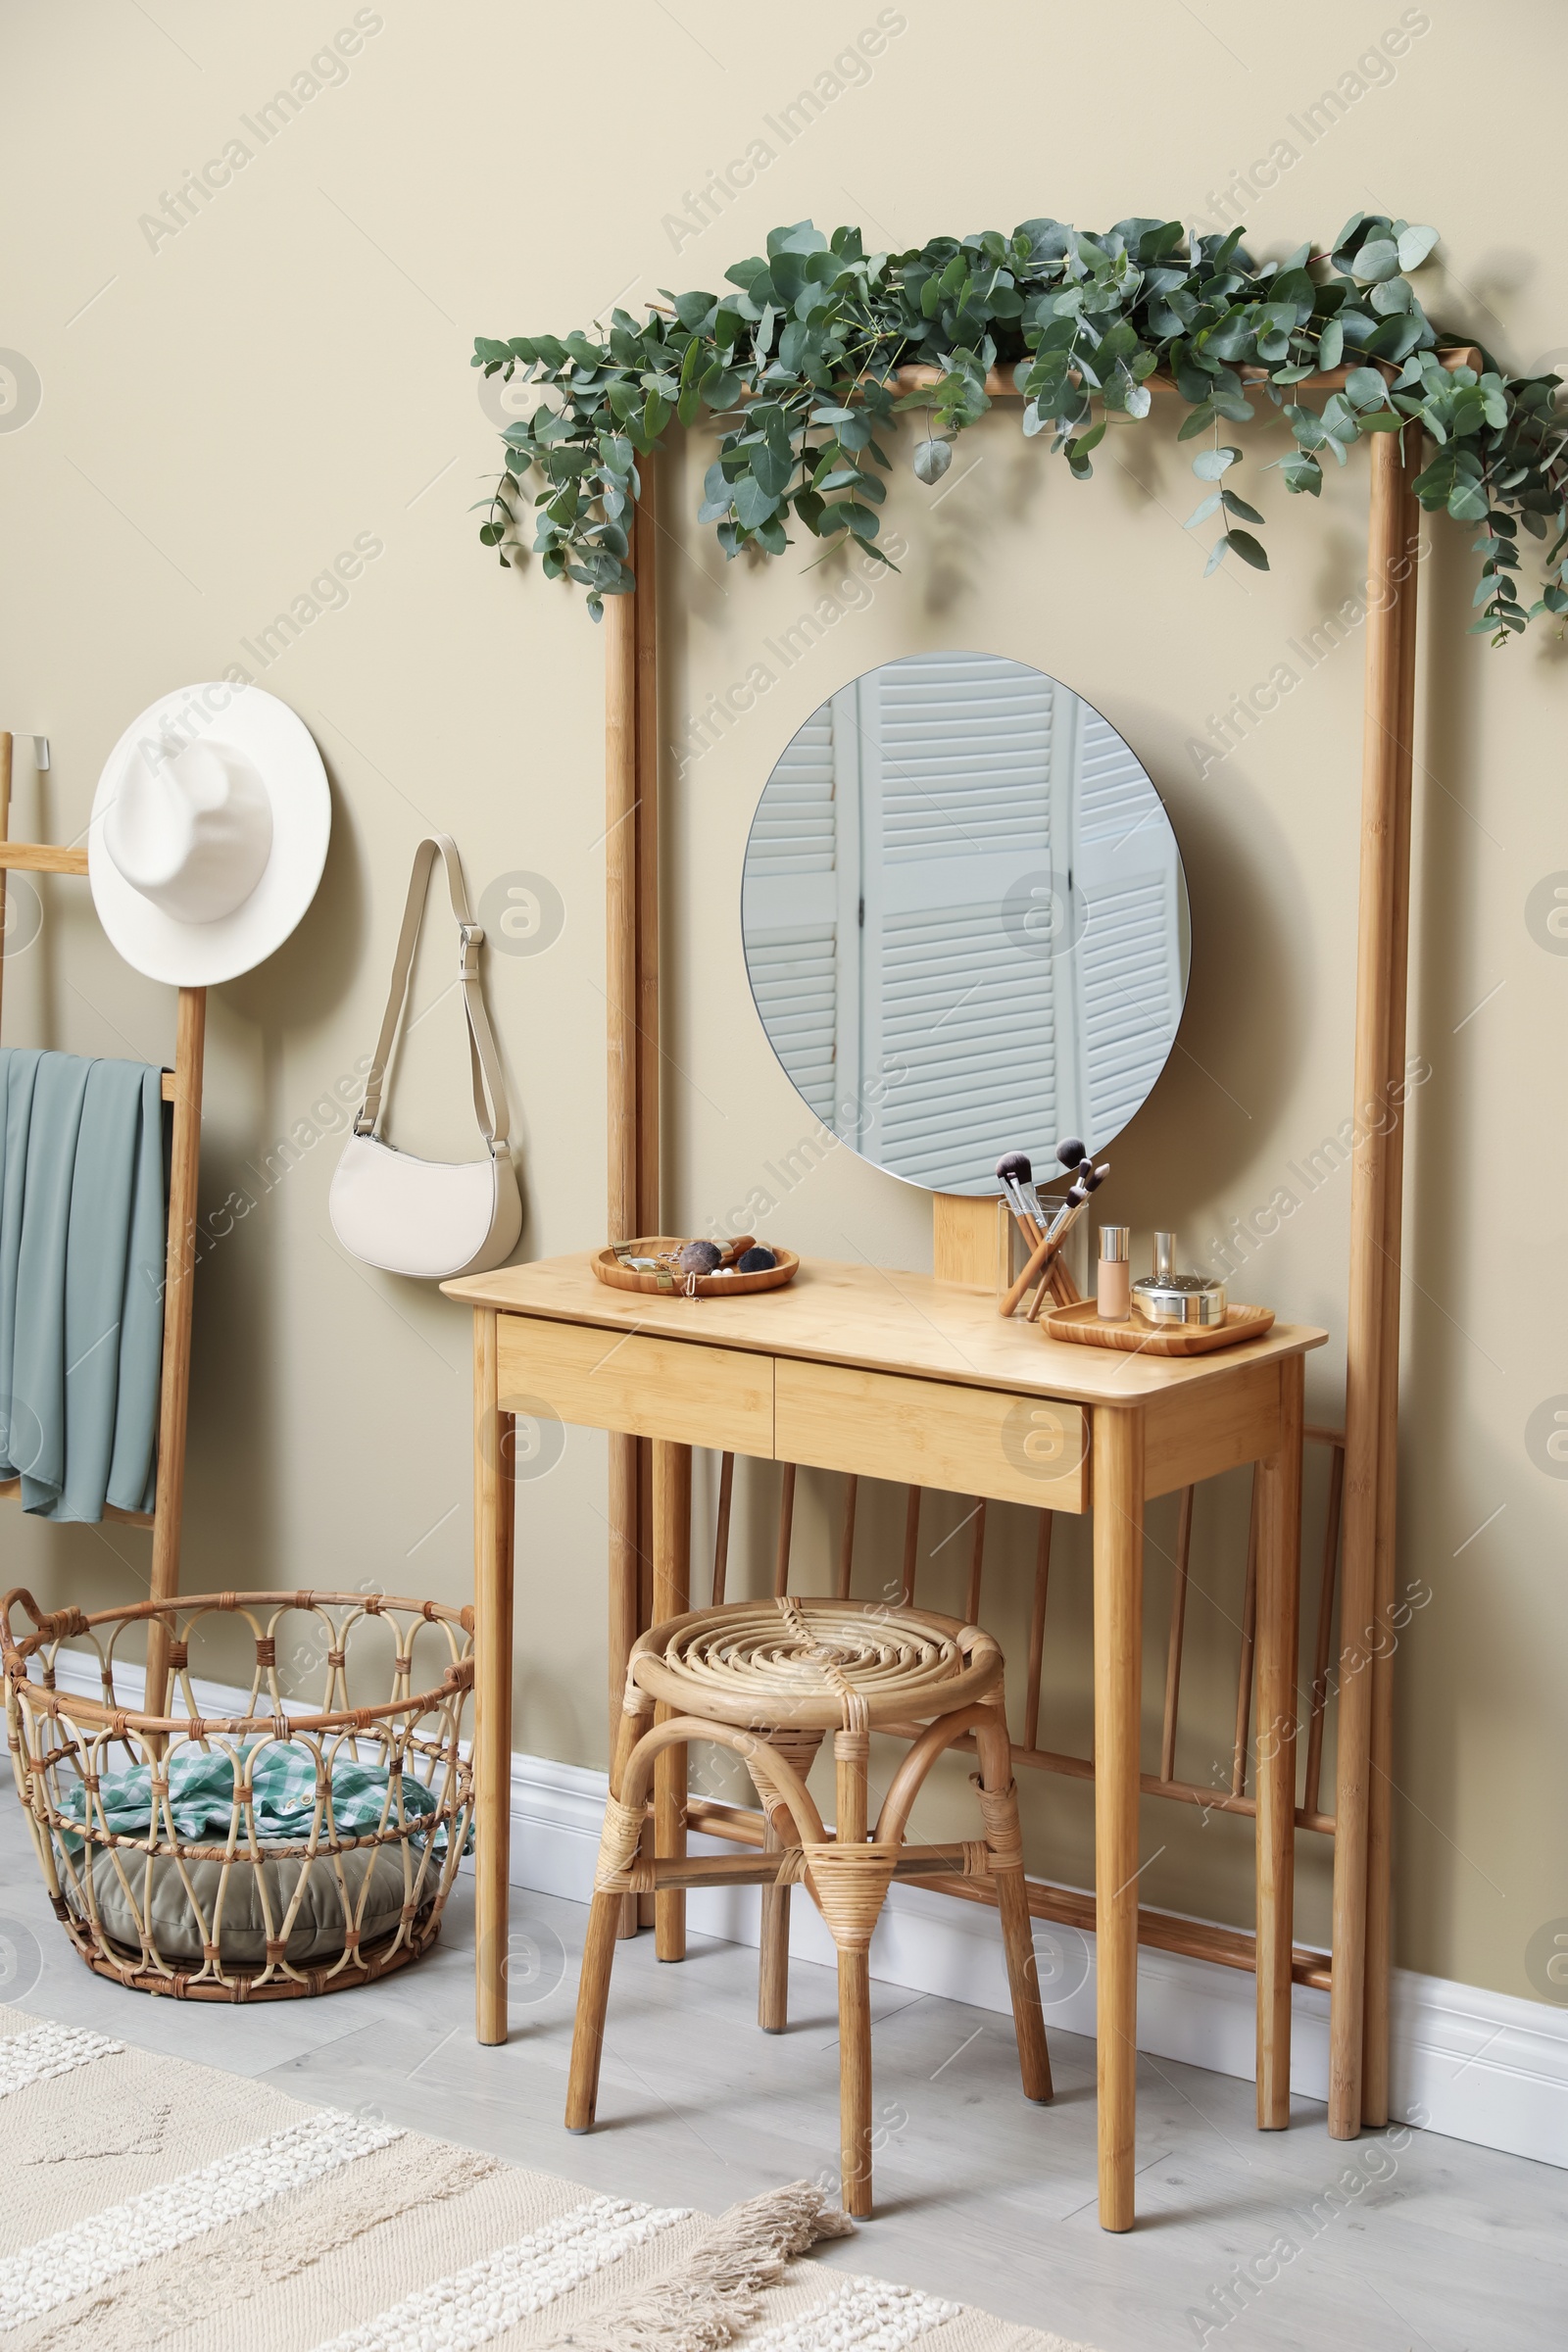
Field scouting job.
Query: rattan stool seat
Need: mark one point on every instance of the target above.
(767, 1680)
(823, 1664)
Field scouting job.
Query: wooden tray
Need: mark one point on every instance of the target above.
(1081, 1324)
(609, 1270)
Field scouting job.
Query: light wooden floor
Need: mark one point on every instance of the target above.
(982, 2197)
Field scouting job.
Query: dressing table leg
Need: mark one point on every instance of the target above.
(1118, 1508)
(1279, 1576)
(626, 1613)
(492, 1686)
(672, 1571)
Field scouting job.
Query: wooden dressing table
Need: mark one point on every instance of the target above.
(897, 1376)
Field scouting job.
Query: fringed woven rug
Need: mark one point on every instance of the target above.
(146, 2203)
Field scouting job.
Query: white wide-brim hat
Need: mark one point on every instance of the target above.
(208, 833)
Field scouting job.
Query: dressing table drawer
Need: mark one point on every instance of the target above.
(932, 1433)
(679, 1390)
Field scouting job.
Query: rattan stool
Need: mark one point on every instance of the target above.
(768, 1680)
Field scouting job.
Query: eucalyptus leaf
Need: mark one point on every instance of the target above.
(932, 460)
(1365, 387)
(753, 502)
(1243, 544)
(1378, 259)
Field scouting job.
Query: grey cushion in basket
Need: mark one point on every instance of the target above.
(317, 1931)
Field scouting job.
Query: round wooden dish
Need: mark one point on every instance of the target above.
(1081, 1324)
(609, 1269)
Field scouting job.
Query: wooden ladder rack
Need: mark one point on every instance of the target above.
(183, 1087)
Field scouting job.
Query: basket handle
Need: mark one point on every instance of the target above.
(57, 1626)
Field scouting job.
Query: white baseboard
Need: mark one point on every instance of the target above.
(1485, 2067)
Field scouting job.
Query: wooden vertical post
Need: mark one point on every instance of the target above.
(786, 1530)
(840, 1589)
(180, 1269)
(1380, 1785)
(1118, 1504)
(1037, 1631)
(620, 992)
(492, 1688)
(726, 1497)
(1243, 1677)
(1176, 1635)
(631, 926)
(1373, 1324)
(911, 1549)
(977, 1563)
(1312, 1785)
(647, 853)
(1277, 1487)
(673, 1573)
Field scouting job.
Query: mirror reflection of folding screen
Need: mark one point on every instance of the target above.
(965, 918)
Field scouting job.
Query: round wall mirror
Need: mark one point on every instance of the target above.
(964, 920)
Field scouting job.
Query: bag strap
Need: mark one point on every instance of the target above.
(493, 1116)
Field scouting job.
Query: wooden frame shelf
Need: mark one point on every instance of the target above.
(1360, 1549)
(182, 1087)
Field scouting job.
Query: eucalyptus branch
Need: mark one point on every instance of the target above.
(797, 363)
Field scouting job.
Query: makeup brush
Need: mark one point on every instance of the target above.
(1088, 1180)
(1016, 1172)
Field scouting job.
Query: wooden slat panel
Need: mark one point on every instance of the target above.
(1189, 1438)
(924, 1433)
(41, 858)
(687, 1393)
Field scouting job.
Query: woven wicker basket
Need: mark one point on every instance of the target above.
(238, 1914)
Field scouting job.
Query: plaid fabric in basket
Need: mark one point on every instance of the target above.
(282, 1777)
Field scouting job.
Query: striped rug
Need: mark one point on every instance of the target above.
(148, 2203)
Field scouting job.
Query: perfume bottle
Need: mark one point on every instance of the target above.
(1166, 1297)
(1113, 1279)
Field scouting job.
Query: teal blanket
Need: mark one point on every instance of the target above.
(201, 1797)
(82, 1281)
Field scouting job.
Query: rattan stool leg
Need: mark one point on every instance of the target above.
(998, 1805)
(850, 1755)
(773, 1974)
(593, 1997)
(854, 2082)
(799, 1747)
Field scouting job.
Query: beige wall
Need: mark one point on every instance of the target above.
(226, 408)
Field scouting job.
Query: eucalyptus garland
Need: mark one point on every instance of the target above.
(796, 362)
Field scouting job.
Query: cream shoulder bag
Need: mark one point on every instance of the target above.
(431, 1217)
